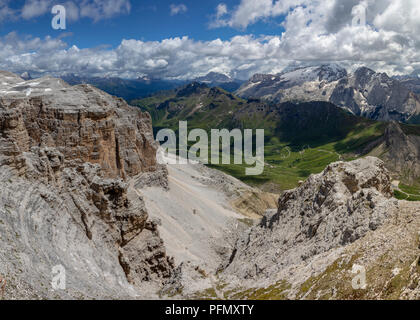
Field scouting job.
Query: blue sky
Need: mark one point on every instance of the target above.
(148, 20)
(184, 39)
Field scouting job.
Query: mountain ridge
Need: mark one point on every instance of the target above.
(363, 92)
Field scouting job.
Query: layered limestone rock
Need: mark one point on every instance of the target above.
(330, 210)
(67, 155)
(83, 123)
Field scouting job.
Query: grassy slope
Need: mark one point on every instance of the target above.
(408, 192)
(288, 164)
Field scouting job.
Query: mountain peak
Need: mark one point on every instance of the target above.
(364, 92)
(296, 233)
(26, 76)
(192, 88)
(215, 77)
(331, 71)
(364, 71)
(302, 74)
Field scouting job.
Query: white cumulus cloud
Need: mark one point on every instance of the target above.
(316, 31)
(178, 9)
(221, 10)
(251, 11)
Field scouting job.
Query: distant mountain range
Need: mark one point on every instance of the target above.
(214, 79)
(332, 133)
(125, 88)
(211, 107)
(130, 89)
(364, 93)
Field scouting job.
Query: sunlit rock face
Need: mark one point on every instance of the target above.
(67, 157)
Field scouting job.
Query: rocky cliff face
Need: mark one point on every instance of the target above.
(403, 152)
(376, 96)
(67, 155)
(340, 235)
(364, 92)
(82, 122)
(330, 210)
(339, 220)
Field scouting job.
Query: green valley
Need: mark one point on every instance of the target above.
(300, 139)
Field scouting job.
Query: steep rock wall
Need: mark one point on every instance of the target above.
(67, 155)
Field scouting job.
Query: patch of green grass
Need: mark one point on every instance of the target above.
(413, 198)
(361, 135)
(286, 164)
(409, 193)
(399, 195)
(283, 171)
(411, 190)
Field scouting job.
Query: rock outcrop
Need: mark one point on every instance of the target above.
(67, 155)
(340, 235)
(330, 210)
(82, 123)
